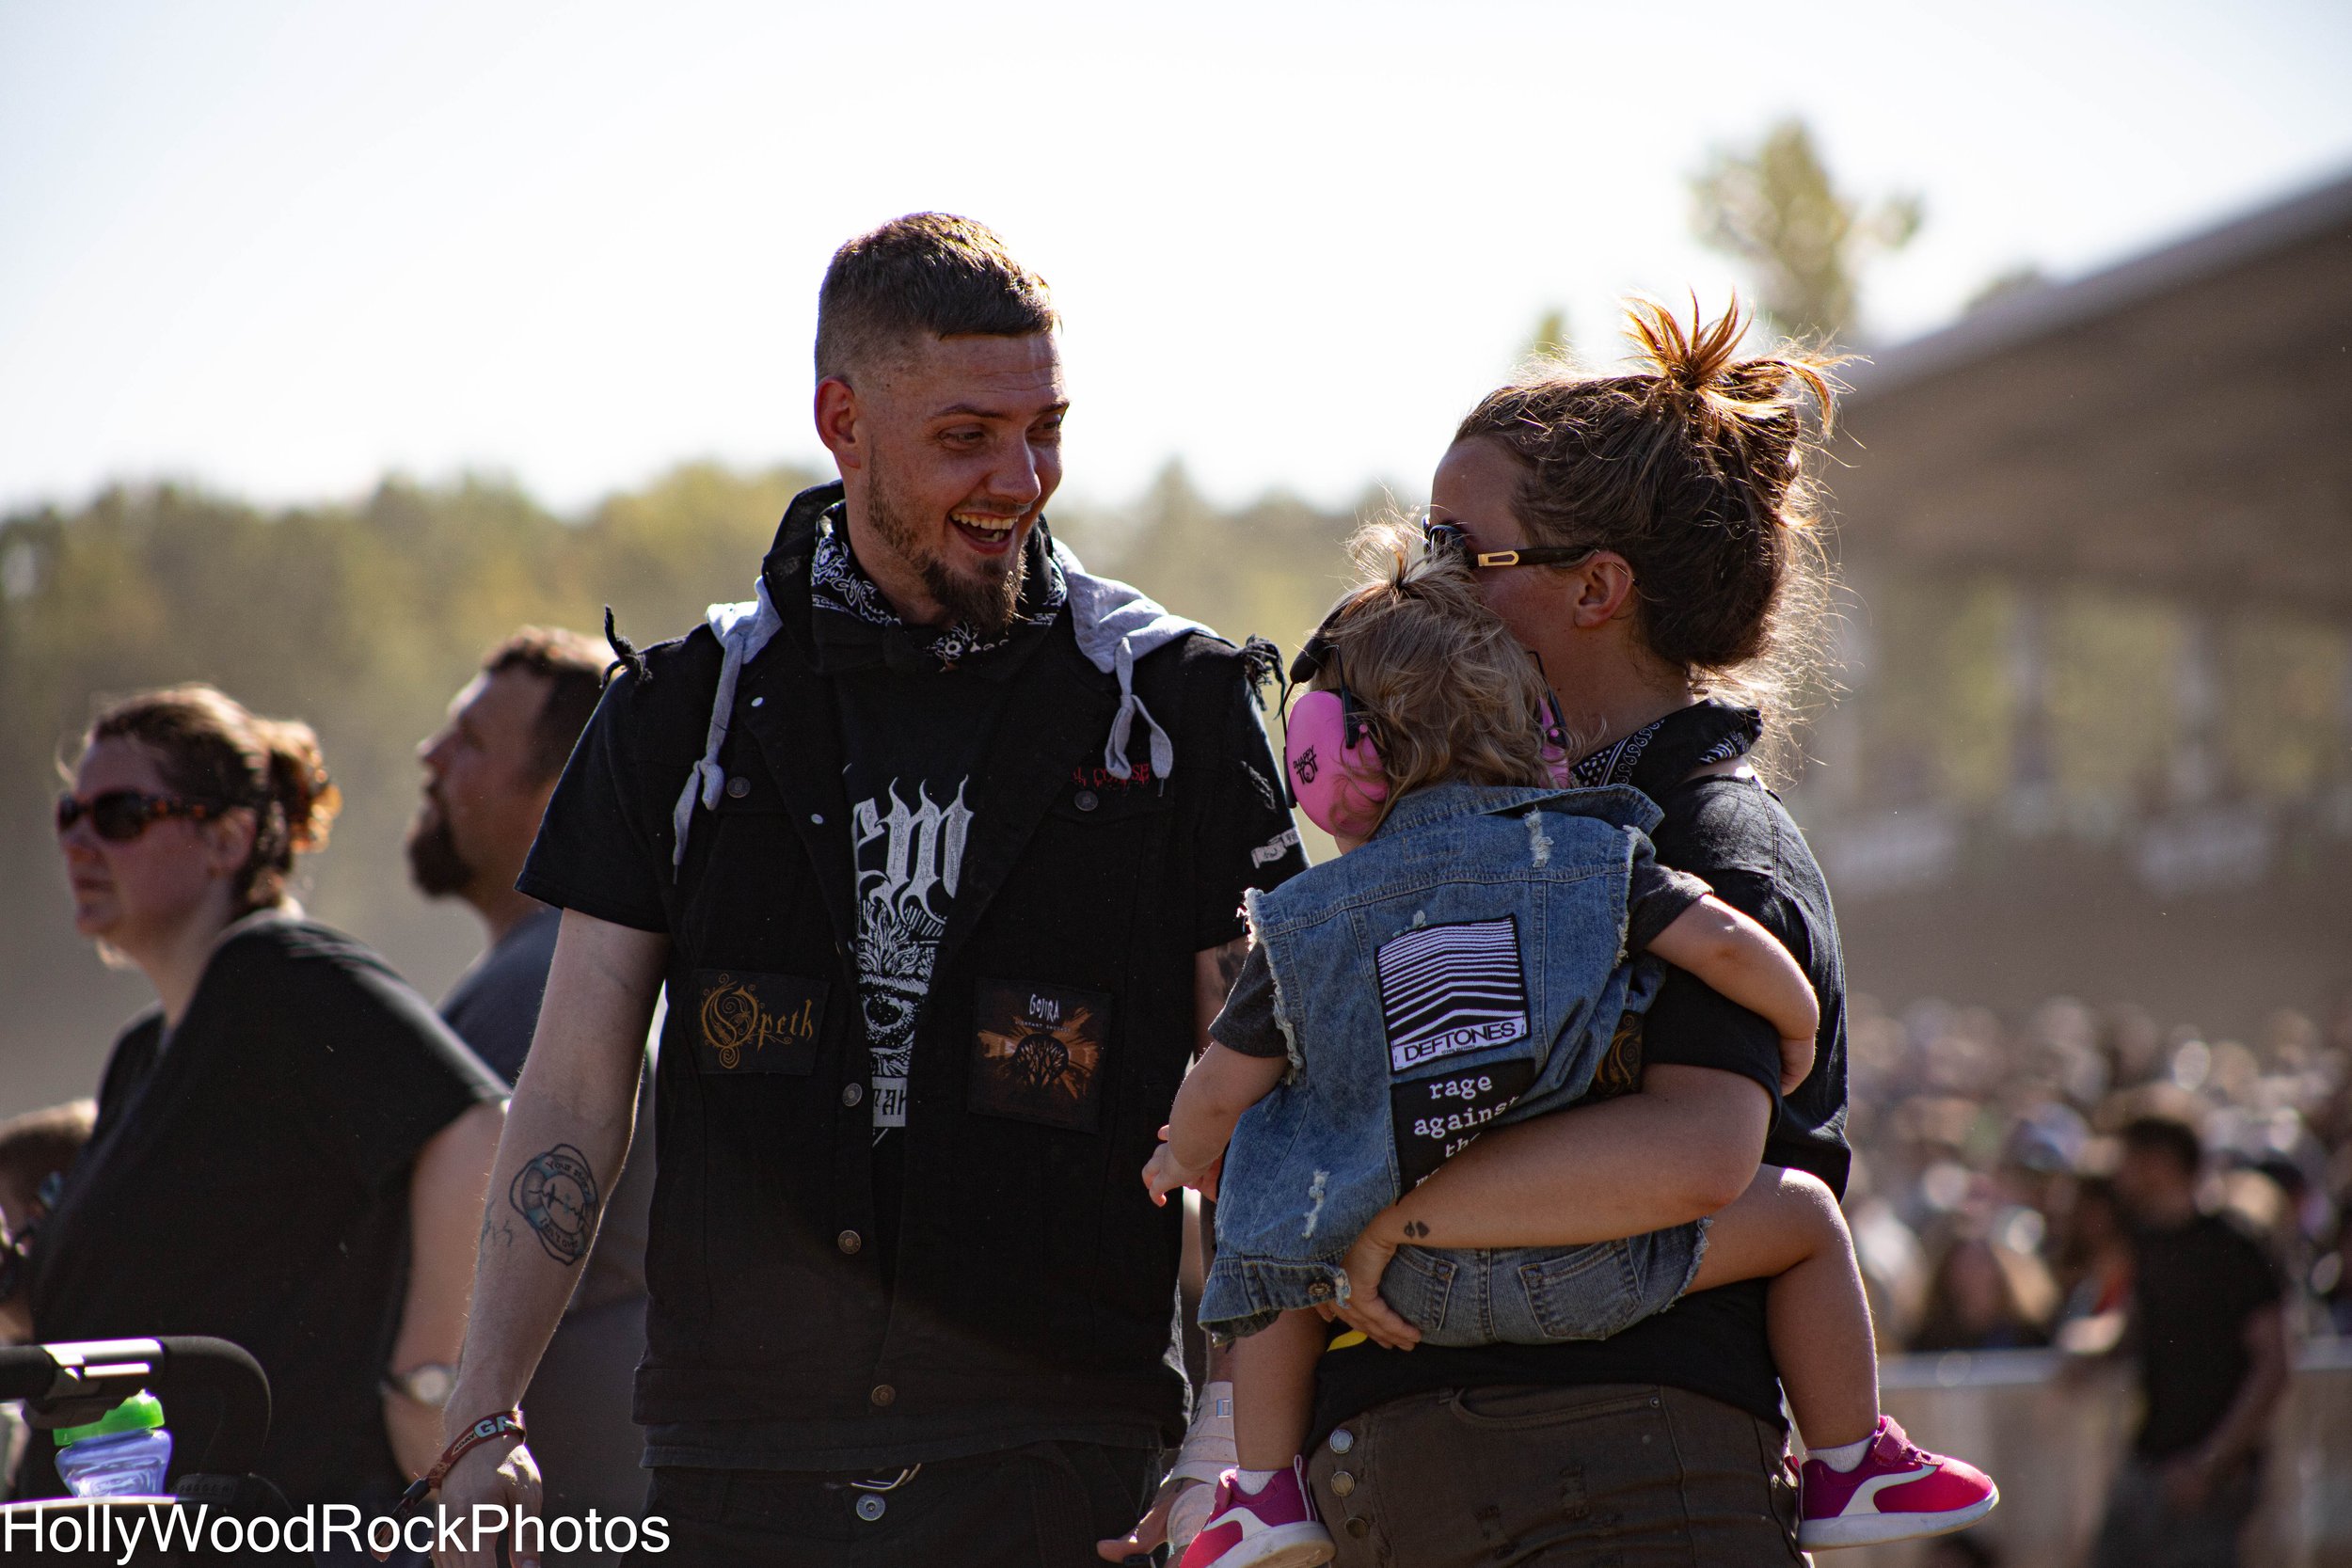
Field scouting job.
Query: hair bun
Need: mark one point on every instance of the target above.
(1690, 466)
(1694, 358)
(298, 784)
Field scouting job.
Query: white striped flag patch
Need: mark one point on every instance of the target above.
(1449, 989)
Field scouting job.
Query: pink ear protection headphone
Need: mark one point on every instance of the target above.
(1331, 764)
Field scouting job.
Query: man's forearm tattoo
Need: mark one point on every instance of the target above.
(496, 1228)
(1416, 1229)
(555, 1192)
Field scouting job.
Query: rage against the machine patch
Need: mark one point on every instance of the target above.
(1436, 1118)
(1036, 1054)
(747, 1022)
(1445, 990)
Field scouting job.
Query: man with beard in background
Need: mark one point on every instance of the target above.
(488, 773)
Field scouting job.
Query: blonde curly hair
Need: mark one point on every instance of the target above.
(1448, 692)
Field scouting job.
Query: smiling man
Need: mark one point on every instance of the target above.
(938, 846)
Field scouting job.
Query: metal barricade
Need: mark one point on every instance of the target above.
(2049, 1429)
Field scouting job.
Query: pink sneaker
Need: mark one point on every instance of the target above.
(1899, 1492)
(1274, 1527)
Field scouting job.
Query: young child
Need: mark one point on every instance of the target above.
(1465, 963)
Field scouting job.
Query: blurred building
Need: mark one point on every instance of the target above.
(2098, 733)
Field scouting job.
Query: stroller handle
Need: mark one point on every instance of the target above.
(215, 1382)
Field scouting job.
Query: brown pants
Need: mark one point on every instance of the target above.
(1615, 1476)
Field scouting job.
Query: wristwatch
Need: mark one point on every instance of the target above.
(430, 1385)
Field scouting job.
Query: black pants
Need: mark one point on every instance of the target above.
(1627, 1475)
(1043, 1506)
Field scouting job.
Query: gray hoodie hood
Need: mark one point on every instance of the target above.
(1116, 624)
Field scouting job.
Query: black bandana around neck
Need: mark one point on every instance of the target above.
(838, 583)
(1661, 754)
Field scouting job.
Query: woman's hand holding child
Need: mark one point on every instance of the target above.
(1367, 1264)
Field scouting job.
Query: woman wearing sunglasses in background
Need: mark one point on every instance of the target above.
(1649, 536)
(291, 1150)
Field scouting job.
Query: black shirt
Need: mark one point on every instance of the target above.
(914, 730)
(1734, 834)
(2193, 1289)
(248, 1178)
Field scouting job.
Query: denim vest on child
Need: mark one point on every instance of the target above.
(1464, 968)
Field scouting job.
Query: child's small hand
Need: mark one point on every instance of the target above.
(1796, 1062)
(1164, 1173)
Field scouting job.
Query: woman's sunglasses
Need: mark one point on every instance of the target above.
(1449, 539)
(121, 816)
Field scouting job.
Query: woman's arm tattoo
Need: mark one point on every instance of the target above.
(555, 1192)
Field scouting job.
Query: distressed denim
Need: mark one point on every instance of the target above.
(1464, 968)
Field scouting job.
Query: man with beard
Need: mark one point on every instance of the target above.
(487, 775)
(938, 846)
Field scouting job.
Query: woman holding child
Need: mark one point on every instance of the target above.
(1648, 539)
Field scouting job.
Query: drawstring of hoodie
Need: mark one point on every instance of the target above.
(1115, 623)
(743, 630)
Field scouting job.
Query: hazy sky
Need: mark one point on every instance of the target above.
(279, 248)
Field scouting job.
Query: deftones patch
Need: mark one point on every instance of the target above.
(1449, 989)
(1037, 1055)
(750, 1023)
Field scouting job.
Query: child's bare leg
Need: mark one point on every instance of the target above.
(1274, 1389)
(1787, 1228)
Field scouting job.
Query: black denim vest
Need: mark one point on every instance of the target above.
(1031, 1268)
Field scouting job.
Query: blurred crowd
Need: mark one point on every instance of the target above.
(1982, 1202)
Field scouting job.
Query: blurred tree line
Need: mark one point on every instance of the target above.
(365, 619)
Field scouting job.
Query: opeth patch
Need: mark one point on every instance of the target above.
(1436, 1118)
(747, 1022)
(1445, 990)
(1036, 1054)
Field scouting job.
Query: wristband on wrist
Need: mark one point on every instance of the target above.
(481, 1432)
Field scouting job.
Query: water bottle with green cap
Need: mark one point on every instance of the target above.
(123, 1453)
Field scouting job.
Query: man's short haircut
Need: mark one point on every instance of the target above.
(927, 274)
(573, 667)
(2167, 1135)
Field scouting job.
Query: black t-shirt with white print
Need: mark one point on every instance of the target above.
(918, 710)
(911, 745)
